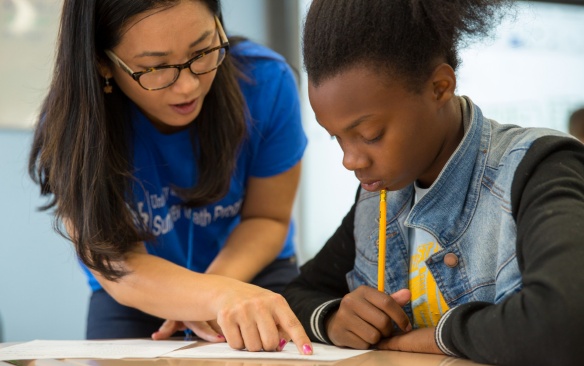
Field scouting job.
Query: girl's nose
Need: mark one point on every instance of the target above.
(353, 159)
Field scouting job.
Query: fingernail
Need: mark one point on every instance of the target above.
(409, 327)
(307, 349)
(220, 336)
(282, 344)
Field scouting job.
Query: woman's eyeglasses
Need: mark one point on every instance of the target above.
(156, 78)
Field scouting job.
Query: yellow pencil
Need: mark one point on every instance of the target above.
(381, 259)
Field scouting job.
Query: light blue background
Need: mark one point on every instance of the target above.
(42, 291)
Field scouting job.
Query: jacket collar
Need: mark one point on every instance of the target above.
(448, 207)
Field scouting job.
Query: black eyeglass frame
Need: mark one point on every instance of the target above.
(136, 75)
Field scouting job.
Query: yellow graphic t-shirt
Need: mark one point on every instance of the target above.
(427, 302)
(428, 305)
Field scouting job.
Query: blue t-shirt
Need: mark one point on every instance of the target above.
(275, 142)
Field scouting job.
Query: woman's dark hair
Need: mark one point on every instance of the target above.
(401, 37)
(81, 154)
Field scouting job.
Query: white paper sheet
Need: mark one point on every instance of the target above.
(290, 352)
(116, 349)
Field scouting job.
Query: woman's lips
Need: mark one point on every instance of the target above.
(185, 108)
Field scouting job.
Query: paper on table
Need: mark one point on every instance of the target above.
(125, 348)
(322, 352)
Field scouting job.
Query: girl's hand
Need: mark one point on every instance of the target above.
(419, 340)
(207, 330)
(365, 317)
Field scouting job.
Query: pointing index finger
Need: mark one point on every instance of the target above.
(290, 324)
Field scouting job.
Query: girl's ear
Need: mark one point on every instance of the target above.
(443, 83)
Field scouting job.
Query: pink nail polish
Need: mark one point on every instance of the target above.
(307, 349)
(282, 344)
(220, 336)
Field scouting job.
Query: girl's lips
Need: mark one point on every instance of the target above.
(185, 108)
(371, 187)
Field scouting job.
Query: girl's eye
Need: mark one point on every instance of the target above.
(373, 140)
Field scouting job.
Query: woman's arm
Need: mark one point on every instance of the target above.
(260, 236)
(249, 316)
(254, 243)
(159, 287)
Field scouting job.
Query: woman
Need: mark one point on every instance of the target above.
(166, 161)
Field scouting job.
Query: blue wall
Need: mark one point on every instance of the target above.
(43, 294)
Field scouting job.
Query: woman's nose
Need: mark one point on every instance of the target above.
(186, 82)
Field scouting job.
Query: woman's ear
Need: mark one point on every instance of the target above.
(443, 83)
(104, 70)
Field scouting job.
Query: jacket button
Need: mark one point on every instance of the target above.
(451, 260)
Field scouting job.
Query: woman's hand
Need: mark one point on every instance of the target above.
(365, 316)
(258, 319)
(249, 317)
(206, 330)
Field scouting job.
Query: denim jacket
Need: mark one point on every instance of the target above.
(467, 209)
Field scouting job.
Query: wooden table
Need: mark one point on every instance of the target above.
(373, 358)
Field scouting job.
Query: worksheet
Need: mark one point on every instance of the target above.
(115, 349)
(322, 352)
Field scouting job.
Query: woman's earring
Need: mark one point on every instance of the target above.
(107, 88)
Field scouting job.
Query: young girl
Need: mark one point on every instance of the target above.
(484, 235)
(166, 161)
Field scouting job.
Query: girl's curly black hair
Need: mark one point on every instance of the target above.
(404, 38)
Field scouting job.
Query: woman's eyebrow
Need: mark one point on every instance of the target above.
(203, 36)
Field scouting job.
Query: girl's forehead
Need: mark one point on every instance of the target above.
(354, 83)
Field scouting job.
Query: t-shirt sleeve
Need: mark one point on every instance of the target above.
(282, 138)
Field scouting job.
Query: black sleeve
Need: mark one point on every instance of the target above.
(321, 285)
(543, 323)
